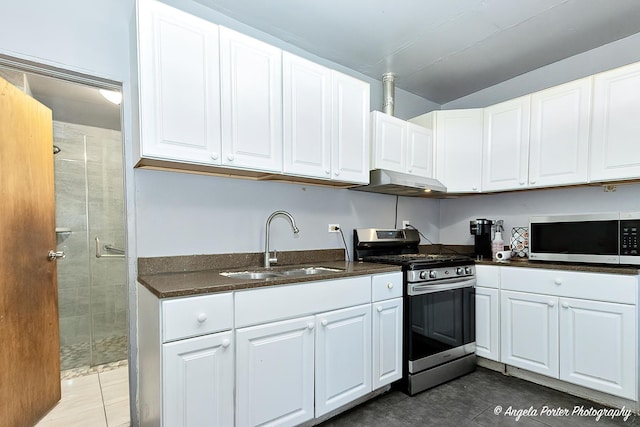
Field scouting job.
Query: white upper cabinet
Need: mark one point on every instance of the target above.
(326, 122)
(615, 151)
(389, 142)
(179, 85)
(419, 151)
(506, 145)
(307, 117)
(559, 144)
(401, 146)
(458, 147)
(251, 92)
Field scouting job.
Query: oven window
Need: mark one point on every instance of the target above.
(581, 237)
(441, 321)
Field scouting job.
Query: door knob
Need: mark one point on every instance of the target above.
(54, 255)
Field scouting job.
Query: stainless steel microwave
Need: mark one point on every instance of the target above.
(609, 238)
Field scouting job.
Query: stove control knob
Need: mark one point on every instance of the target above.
(467, 270)
(423, 274)
(433, 274)
(459, 271)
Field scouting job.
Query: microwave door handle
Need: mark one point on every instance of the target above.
(421, 289)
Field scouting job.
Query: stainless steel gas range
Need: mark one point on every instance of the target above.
(439, 306)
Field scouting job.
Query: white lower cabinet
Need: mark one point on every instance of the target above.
(487, 323)
(575, 326)
(197, 381)
(275, 375)
(387, 342)
(343, 357)
(598, 346)
(530, 332)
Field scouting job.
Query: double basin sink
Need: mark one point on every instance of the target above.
(272, 274)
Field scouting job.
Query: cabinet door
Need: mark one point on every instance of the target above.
(505, 156)
(275, 373)
(615, 152)
(387, 342)
(529, 328)
(487, 323)
(459, 150)
(343, 357)
(389, 142)
(598, 346)
(197, 381)
(419, 151)
(307, 117)
(251, 91)
(350, 129)
(179, 85)
(560, 134)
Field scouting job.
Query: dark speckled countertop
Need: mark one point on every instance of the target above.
(549, 265)
(201, 274)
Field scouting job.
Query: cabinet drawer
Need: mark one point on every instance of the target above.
(591, 286)
(192, 316)
(288, 301)
(386, 286)
(488, 276)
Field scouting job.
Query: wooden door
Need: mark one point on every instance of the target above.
(419, 151)
(343, 357)
(387, 342)
(30, 350)
(529, 332)
(487, 326)
(598, 346)
(390, 142)
(505, 158)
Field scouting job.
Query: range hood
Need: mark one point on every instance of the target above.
(402, 184)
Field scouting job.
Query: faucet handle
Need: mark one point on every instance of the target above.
(274, 259)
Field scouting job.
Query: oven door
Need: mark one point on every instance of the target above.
(440, 322)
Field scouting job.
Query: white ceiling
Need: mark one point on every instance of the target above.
(440, 50)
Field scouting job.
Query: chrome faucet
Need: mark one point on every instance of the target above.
(268, 259)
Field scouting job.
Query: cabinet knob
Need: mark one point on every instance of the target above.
(533, 181)
(214, 156)
(328, 172)
(226, 343)
(558, 281)
(202, 317)
(324, 322)
(336, 173)
(389, 285)
(410, 170)
(310, 326)
(565, 305)
(230, 157)
(474, 188)
(521, 182)
(379, 309)
(551, 303)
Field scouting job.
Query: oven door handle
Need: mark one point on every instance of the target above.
(421, 289)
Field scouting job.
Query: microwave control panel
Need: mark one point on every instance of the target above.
(629, 237)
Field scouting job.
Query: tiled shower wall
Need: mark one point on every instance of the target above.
(89, 202)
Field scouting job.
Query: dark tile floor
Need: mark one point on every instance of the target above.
(481, 398)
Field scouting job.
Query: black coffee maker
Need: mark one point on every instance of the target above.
(481, 231)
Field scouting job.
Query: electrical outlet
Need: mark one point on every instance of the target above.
(334, 228)
(406, 223)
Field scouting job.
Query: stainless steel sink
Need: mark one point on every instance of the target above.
(295, 272)
(308, 271)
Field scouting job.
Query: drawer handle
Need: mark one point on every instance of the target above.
(389, 285)
(310, 326)
(226, 343)
(379, 309)
(202, 317)
(551, 303)
(565, 305)
(324, 322)
(558, 281)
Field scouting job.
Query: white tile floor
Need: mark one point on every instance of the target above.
(94, 400)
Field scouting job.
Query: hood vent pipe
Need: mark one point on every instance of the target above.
(388, 93)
